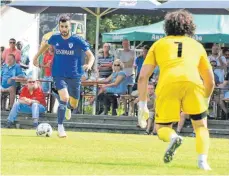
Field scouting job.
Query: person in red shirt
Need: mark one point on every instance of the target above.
(47, 65)
(31, 101)
(12, 50)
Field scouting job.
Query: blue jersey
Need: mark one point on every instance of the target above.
(68, 55)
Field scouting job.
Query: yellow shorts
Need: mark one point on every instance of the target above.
(173, 98)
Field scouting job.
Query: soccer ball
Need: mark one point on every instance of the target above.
(44, 129)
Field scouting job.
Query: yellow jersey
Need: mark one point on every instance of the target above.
(180, 58)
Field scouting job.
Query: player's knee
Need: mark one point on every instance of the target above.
(74, 102)
(64, 98)
(196, 117)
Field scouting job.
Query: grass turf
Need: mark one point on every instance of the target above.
(23, 153)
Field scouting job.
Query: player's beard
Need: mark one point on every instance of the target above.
(65, 34)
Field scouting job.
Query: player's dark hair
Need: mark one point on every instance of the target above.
(64, 18)
(179, 23)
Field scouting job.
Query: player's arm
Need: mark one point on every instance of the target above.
(42, 49)
(86, 48)
(206, 74)
(91, 60)
(146, 71)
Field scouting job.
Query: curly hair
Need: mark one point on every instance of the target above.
(179, 23)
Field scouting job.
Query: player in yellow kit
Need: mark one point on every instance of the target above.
(186, 83)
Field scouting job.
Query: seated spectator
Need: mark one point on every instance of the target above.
(226, 55)
(223, 94)
(9, 71)
(12, 50)
(150, 104)
(214, 65)
(24, 57)
(31, 101)
(105, 61)
(117, 81)
(180, 125)
(47, 65)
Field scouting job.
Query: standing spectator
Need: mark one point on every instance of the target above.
(47, 65)
(24, 57)
(10, 70)
(127, 57)
(140, 59)
(105, 61)
(12, 50)
(31, 101)
(220, 60)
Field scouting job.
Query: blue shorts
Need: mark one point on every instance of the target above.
(72, 84)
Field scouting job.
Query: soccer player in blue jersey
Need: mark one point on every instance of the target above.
(67, 68)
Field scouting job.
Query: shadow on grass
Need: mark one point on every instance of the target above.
(22, 136)
(136, 164)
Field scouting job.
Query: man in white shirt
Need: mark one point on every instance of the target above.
(127, 57)
(220, 60)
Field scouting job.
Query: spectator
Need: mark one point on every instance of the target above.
(127, 57)
(214, 65)
(117, 84)
(24, 57)
(140, 59)
(47, 65)
(223, 94)
(138, 65)
(226, 55)
(105, 61)
(220, 60)
(12, 50)
(181, 123)
(10, 70)
(31, 101)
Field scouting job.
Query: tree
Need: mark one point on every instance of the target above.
(114, 22)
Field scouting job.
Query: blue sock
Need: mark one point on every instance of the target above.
(61, 112)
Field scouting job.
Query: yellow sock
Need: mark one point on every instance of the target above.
(165, 133)
(202, 140)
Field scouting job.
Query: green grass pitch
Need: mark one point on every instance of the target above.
(81, 153)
